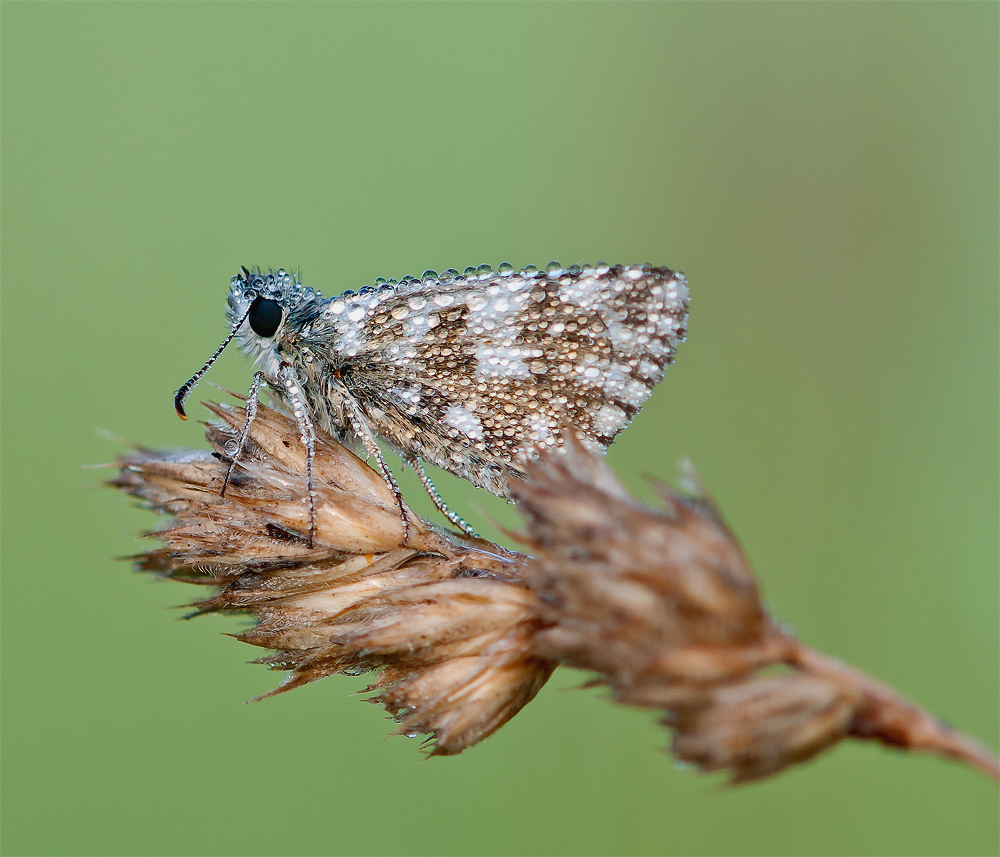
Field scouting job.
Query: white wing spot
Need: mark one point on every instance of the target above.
(496, 360)
(609, 419)
(464, 421)
(636, 392)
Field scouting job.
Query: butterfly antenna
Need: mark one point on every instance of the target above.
(182, 393)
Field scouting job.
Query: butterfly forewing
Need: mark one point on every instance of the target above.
(473, 374)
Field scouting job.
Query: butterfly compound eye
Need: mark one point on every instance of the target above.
(265, 316)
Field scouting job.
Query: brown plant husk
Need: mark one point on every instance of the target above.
(443, 619)
(662, 604)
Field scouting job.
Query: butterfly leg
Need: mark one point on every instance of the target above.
(235, 447)
(432, 492)
(360, 428)
(296, 398)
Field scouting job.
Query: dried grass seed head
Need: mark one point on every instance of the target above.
(445, 620)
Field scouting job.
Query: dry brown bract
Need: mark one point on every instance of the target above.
(462, 633)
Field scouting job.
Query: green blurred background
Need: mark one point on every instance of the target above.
(825, 174)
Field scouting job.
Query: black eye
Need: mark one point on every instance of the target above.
(265, 316)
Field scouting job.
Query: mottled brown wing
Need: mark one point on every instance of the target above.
(473, 374)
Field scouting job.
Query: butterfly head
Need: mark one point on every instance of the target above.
(264, 307)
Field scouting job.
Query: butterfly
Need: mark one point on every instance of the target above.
(473, 372)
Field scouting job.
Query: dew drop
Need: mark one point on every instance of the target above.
(505, 269)
(553, 270)
(484, 272)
